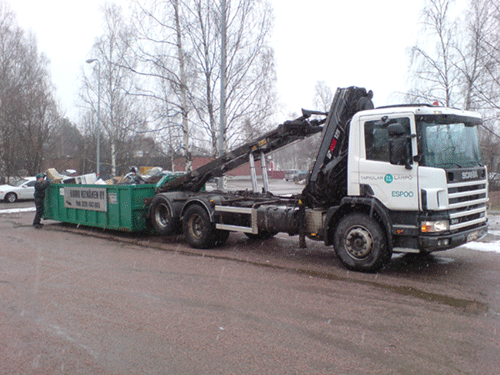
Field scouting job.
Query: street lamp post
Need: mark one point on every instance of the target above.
(98, 130)
(222, 123)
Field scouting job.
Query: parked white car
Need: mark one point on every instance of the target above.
(20, 189)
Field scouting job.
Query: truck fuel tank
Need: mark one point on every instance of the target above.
(274, 219)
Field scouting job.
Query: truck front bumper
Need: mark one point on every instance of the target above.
(430, 243)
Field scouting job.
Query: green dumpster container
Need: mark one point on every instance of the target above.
(117, 207)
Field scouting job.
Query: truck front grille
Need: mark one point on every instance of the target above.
(467, 203)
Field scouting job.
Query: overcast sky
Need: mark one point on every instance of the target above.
(344, 43)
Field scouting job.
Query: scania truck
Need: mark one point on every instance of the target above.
(405, 178)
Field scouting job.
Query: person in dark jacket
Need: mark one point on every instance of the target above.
(40, 186)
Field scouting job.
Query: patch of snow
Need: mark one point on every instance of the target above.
(493, 246)
(16, 210)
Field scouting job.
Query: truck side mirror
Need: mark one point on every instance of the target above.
(399, 145)
(396, 130)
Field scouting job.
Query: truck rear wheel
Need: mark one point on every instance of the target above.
(199, 231)
(161, 217)
(361, 244)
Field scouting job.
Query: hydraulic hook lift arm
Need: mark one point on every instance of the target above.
(283, 135)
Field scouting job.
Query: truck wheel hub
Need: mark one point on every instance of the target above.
(196, 226)
(358, 243)
(162, 215)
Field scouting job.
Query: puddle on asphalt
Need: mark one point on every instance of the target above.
(467, 305)
(471, 306)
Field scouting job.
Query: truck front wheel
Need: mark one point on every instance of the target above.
(200, 233)
(361, 244)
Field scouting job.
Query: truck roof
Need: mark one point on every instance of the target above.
(418, 109)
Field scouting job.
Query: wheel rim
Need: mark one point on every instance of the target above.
(162, 215)
(358, 242)
(11, 198)
(196, 226)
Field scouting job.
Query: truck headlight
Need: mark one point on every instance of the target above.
(435, 226)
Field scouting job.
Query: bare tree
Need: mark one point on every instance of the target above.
(462, 67)
(120, 112)
(451, 67)
(160, 28)
(183, 82)
(28, 111)
(87, 127)
(65, 141)
(11, 40)
(250, 68)
(323, 96)
(434, 66)
(488, 36)
(485, 27)
(473, 57)
(181, 46)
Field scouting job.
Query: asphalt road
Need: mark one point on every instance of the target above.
(84, 301)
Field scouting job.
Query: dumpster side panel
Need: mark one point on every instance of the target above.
(117, 207)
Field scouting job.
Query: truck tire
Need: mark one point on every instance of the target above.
(361, 244)
(161, 217)
(199, 231)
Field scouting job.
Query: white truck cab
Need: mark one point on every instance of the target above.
(423, 164)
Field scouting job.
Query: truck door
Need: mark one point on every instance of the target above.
(394, 184)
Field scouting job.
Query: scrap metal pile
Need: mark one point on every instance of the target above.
(134, 177)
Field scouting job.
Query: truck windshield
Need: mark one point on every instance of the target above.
(448, 141)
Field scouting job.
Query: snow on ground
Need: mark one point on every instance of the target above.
(16, 210)
(493, 246)
(493, 242)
